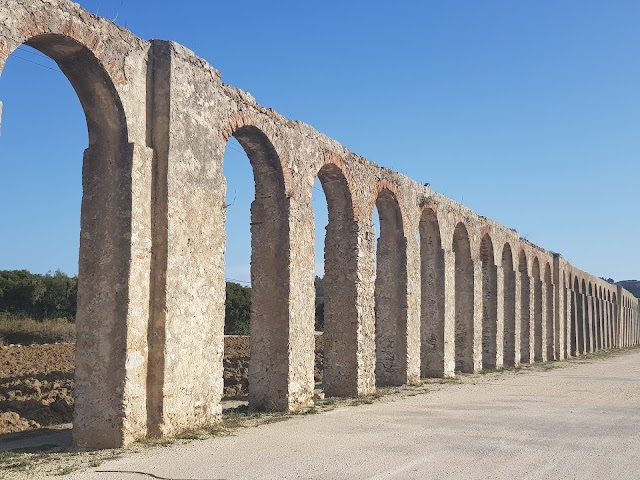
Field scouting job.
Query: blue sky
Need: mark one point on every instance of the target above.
(526, 112)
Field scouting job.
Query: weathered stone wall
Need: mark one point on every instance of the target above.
(447, 291)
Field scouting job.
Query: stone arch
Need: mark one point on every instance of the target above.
(387, 188)
(549, 313)
(464, 303)
(391, 291)
(509, 307)
(489, 303)
(341, 319)
(432, 293)
(525, 309)
(259, 134)
(536, 280)
(270, 272)
(111, 319)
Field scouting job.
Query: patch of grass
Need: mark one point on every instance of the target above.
(67, 469)
(15, 462)
(26, 331)
(326, 402)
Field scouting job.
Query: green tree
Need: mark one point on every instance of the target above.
(38, 296)
(237, 309)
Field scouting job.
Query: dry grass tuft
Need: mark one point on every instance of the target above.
(26, 331)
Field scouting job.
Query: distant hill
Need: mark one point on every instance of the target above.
(632, 285)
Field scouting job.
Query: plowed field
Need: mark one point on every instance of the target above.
(36, 386)
(36, 381)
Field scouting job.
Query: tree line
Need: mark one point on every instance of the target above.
(54, 295)
(41, 297)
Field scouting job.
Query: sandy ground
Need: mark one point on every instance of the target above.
(569, 420)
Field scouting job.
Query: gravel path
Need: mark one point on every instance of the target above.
(577, 420)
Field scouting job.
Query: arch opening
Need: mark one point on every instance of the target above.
(391, 293)
(550, 333)
(432, 292)
(537, 311)
(597, 318)
(104, 321)
(564, 316)
(525, 310)
(592, 319)
(489, 304)
(339, 312)
(464, 309)
(586, 318)
(269, 268)
(579, 318)
(509, 307)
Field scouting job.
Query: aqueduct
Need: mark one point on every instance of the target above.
(447, 290)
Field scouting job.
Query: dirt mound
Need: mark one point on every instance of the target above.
(36, 386)
(36, 381)
(237, 351)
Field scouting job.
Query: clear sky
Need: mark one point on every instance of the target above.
(526, 112)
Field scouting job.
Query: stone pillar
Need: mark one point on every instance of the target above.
(477, 315)
(553, 355)
(616, 319)
(603, 331)
(187, 272)
(576, 322)
(350, 345)
(635, 319)
(113, 297)
(607, 331)
(449, 313)
(567, 323)
(500, 317)
(531, 333)
(589, 340)
(349, 336)
(610, 324)
(543, 330)
(559, 309)
(626, 326)
(596, 324)
(412, 369)
(595, 333)
(518, 319)
(632, 328)
(623, 326)
(582, 323)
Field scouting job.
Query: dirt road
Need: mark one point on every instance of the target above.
(578, 420)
